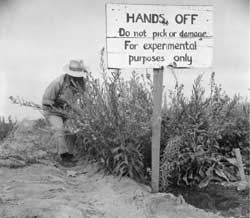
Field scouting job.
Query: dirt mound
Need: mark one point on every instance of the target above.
(46, 191)
(41, 189)
(29, 143)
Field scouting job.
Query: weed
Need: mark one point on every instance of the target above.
(6, 127)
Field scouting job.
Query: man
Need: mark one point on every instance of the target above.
(62, 93)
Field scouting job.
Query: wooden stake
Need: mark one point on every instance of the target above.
(240, 164)
(156, 127)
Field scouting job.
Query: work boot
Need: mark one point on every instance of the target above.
(66, 160)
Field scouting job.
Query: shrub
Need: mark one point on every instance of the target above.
(116, 123)
(6, 127)
(208, 129)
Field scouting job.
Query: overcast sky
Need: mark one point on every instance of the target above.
(37, 37)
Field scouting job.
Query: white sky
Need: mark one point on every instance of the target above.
(37, 37)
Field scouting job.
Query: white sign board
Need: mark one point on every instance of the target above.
(151, 36)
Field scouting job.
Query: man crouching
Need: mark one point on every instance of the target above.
(62, 93)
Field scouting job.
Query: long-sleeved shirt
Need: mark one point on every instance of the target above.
(52, 92)
(59, 92)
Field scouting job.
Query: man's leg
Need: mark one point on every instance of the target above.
(57, 125)
(70, 139)
(65, 158)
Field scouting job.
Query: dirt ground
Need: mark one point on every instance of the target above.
(32, 185)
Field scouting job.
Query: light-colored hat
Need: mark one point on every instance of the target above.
(75, 68)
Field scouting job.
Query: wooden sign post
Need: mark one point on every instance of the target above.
(156, 127)
(151, 36)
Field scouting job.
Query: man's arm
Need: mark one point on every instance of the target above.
(52, 91)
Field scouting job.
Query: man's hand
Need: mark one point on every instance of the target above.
(47, 106)
(61, 103)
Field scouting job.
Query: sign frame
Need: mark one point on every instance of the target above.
(207, 44)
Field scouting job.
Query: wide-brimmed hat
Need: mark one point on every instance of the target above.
(75, 68)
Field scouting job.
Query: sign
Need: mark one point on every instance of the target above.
(151, 36)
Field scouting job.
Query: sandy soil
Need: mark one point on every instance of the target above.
(32, 185)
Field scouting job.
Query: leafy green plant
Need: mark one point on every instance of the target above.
(209, 127)
(116, 122)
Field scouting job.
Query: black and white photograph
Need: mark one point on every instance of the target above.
(124, 109)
